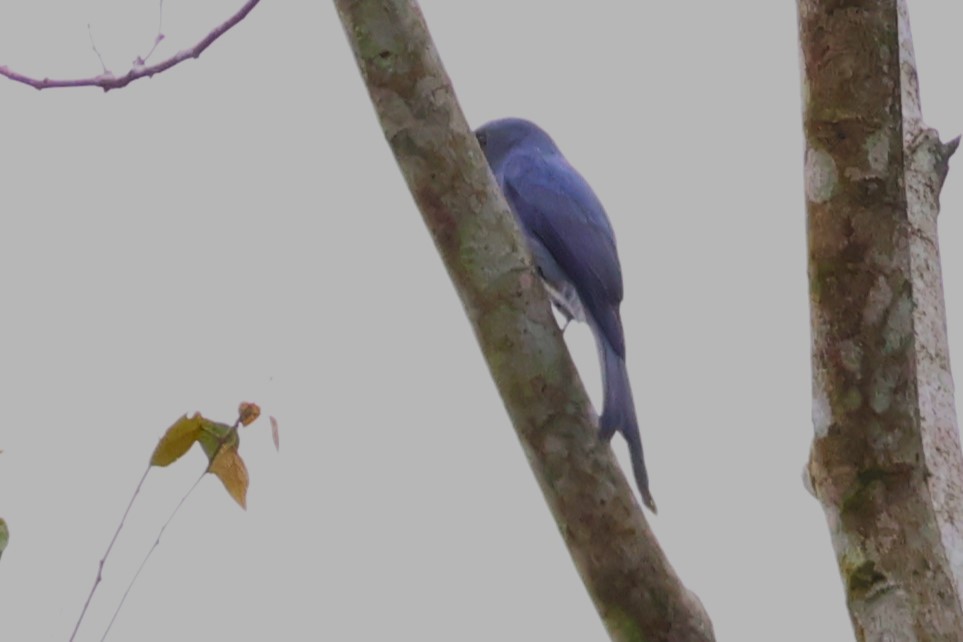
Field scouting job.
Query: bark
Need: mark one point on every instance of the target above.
(632, 584)
(885, 463)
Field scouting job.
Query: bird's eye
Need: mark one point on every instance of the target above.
(482, 138)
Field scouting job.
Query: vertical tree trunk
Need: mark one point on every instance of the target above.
(885, 462)
(635, 590)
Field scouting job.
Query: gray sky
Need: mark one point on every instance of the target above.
(236, 229)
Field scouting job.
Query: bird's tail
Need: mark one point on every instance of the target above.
(618, 414)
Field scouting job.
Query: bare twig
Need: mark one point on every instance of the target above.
(93, 45)
(108, 81)
(143, 562)
(110, 546)
(159, 38)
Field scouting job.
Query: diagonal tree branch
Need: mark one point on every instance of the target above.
(886, 462)
(632, 584)
(108, 81)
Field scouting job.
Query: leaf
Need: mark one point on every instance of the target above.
(274, 433)
(219, 442)
(4, 535)
(230, 469)
(248, 412)
(177, 440)
(215, 436)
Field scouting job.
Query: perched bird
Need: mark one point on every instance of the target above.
(571, 239)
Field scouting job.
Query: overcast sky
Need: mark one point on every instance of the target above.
(236, 229)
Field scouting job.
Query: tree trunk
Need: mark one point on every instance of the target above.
(635, 590)
(885, 461)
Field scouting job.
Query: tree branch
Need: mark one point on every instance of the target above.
(628, 577)
(108, 81)
(886, 462)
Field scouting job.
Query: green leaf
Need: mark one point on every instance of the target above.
(4, 535)
(214, 436)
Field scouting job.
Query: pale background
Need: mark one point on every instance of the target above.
(236, 229)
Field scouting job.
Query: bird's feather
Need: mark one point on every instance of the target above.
(557, 207)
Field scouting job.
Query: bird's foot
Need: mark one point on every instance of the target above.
(606, 433)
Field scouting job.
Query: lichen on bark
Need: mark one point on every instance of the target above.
(872, 304)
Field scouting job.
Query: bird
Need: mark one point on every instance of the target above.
(573, 246)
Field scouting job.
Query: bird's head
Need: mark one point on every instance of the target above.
(500, 137)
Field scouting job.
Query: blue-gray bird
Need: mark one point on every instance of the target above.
(571, 239)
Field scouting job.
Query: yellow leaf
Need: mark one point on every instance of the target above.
(177, 440)
(248, 412)
(230, 469)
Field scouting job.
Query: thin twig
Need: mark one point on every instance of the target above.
(108, 81)
(93, 45)
(110, 546)
(149, 553)
(159, 38)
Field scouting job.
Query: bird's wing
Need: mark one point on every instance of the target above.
(557, 207)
